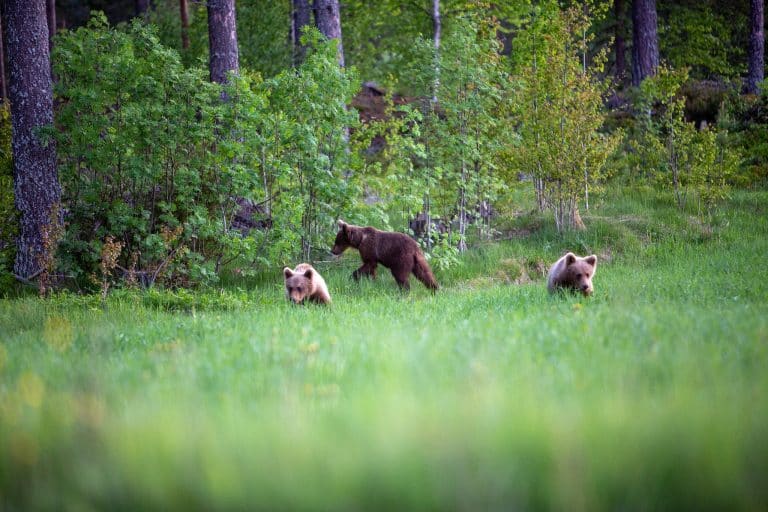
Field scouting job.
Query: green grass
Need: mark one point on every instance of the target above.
(490, 394)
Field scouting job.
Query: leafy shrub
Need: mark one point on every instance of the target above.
(561, 113)
(669, 151)
(460, 132)
(310, 146)
(746, 119)
(701, 38)
(159, 163)
(147, 156)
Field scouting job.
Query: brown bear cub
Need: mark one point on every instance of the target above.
(574, 273)
(396, 251)
(304, 282)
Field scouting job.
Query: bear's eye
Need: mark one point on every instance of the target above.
(298, 289)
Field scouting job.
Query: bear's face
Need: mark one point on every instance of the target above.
(348, 236)
(579, 272)
(298, 286)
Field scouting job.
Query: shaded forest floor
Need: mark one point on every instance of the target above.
(489, 394)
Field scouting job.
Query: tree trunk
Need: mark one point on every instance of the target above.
(51, 15)
(301, 17)
(3, 87)
(538, 180)
(619, 46)
(437, 24)
(756, 71)
(436, 36)
(222, 37)
(35, 179)
(645, 40)
(328, 20)
(142, 6)
(463, 208)
(184, 13)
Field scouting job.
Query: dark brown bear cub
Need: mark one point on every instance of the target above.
(396, 251)
(305, 283)
(574, 273)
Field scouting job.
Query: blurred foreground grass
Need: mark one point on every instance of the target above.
(489, 395)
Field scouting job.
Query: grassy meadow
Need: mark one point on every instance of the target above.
(491, 394)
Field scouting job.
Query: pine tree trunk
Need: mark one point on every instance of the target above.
(301, 17)
(645, 40)
(619, 46)
(3, 86)
(35, 179)
(328, 20)
(51, 16)
(184, 13)
(222, 37)
(756, 71)
(142, 6)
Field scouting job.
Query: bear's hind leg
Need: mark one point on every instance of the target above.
(401, 276)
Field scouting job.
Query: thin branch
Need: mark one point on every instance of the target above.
(28, 279)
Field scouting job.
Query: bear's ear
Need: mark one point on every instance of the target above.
(287, 272)
(342, 224)
(570, 258)
(592, 260)
(308, 273)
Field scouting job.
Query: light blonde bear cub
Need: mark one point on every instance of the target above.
(304, 282)
(574, 273)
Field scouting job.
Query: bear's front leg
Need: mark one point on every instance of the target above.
(367, 269)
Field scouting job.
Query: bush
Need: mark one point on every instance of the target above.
(746, 118)
(147, 156)
(168, 169)
(561, 111)
(670, 152)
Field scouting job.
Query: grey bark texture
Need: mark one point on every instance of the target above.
(300, 18)
(51, 15)
(645, 40)
(222, 39)
(3, 87)
(756, 70)
(35, 179)
(328, 20)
